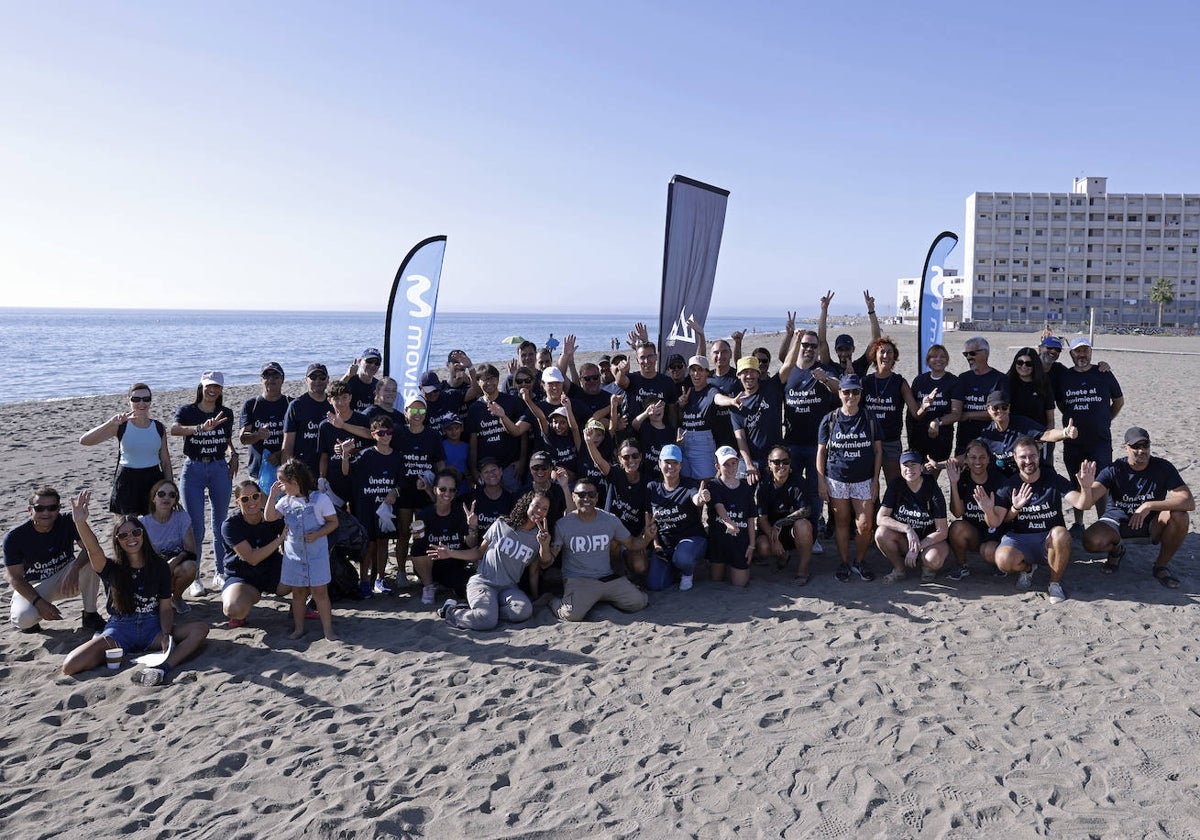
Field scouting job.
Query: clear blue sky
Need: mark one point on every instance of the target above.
(246, 155)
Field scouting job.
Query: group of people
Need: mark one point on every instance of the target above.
(577, 483)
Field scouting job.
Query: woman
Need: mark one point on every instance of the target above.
(445, 534)
(697, 418)
(508, 547)
(142, 456)
(256, 560)
(733, 519)
(207, 428)
(675, 504)
(385, 401)
(421, 452)
(1029, 390)
(169, 530)
(886, 395)
(913, 526)
(626, 497)
(140, 615)
(849, 458)
(970, 532)
(784, 507)
(931, 391)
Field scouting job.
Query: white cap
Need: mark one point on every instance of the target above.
(552, 374)
(212, 377)
(724, 453)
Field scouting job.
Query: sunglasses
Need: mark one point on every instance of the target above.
(1024, 363)
(674, 367)
(810, 344)
(591, 377)
(139, 399)
(631, 457)
(373, 362)
(250, 497)
(45, 508)
(167, 494)
(852, 392)
(970, 354)
(318, 377)
(586, 494)
(523, 381)
(1054, 350)
(1001, 407)
(777, 462)
(132, 532)
(383, 432)
(446, 489)
(272, 375)
(417, 410)
(1138, 447)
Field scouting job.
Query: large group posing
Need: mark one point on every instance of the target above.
(575, 484)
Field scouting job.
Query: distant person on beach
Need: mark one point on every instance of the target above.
(42, 568)
(1091, 399)
(551, 343)
(913, 524)
(262, 424)
(968, 403)
(169, 529)
(142, 456)
(509, 547)
(1031, 505)
(303, 418)
(140, 615)
(843, 345)
(310, 518)
(360, 377)
(210, 463)
(1149, 500)
(587, 539)
(255, 549)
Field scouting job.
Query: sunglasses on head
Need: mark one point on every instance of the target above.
(139, 399)
(45, 508)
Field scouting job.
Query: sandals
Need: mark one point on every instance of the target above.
(1113, 563)
(802, 580)
(1163, 575)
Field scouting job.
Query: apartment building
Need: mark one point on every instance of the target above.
(1052, 257)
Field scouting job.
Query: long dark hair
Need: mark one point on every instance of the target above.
(200, 396)
(1040, 381)
(120, 585)
(520, 511)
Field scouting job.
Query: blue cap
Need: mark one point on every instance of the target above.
(1052, 342)
(850, 382)
(911, 457)
(671, 452)
(843, 340)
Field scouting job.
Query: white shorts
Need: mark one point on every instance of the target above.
(849, 489)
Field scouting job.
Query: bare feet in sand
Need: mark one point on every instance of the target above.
(296, 634)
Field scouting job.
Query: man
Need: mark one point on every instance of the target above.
(586, 537)
(1048, 351)
(1031, 504)
(968, 401)
(340, 424)
(589, 401)
(444, 407)
(606, 374)
(460, 377)
(489, 499)
(648, 383)
(757, 411)
(43, 567)
(809, 394)
(526, 357)
(303, 418)
(361, 379)
(843, 345)
(262, 425)
(497, 424)
(1149, 499)
(677, 370)
(1007, 428)
(1090, 398)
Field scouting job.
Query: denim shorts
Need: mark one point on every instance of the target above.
(135, 632)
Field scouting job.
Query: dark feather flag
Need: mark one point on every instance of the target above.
(412, 321)
(929, 315)
(695, 221)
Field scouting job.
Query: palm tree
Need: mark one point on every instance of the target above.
(905, 306)
(1162, 293)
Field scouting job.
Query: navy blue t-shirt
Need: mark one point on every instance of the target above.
(303, 418)
(42, 555)
(849, 445)
(1087, 399)
(919, 509)
(265, 576)
(761, 418)
(1000, 443)
(806, 401)
(493, 439)
(674, 512)
(210, 444)
(1045, 510)
(259, 414)
(1128, 488)
(884, 398)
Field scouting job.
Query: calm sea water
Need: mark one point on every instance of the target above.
(62, 353)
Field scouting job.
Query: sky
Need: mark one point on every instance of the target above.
(258, 155)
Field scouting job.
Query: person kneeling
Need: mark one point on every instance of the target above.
(913, 524)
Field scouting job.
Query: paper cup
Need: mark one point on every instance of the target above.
(114, 657)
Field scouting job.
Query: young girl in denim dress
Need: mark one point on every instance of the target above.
(310, 517)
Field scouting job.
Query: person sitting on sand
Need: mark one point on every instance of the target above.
(139, 607)
(675, 505)
(1031, 503)
(970, 532)
(42, 567)
(1148, 499)
(169, 529)
(507, 548)
(912, 525)
(255, 554)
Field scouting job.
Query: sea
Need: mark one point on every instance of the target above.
(54, 354)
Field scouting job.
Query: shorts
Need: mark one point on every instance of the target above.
(135, 632)
(131, 490)
(727, 549)
(1033, 546)
(1075, 454)
(262, 583)
(1119, 520)
(860, 490)
(891, 451)
(983, 532)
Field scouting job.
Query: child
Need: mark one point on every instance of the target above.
(560, 432)
(457, 451)
(374, 474)
(310, 518)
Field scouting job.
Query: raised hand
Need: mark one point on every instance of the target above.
(683, 397)
(79, 506)
(790, 326)
(1070, 432)
(870, 301)
(826, 299)
(569, 345)
(703, 494)
(472, 517)
(927, 400)
(1023, 496)
(984, 499)
(952, 471)
(1087, 474)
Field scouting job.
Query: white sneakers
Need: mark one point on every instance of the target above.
(196, 589)
(1056, 593)
(428, 594)
(685, 583)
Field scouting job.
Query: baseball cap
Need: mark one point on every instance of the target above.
(997, 398)
(911, 457)
(539, 457)
(559, 412)
(671, 452)
(450, 356)
(1082, 341)
(430, 382)
(724, 453)
(212, 377)
(595, 424)
(850, 382)
(316, 367)
(843, 340)
(1051, 342)
(415, 398)
(675, 360)
(747, 363)
(272, 366)
(552, 374)
(1136, 434)
(371, 353)
(700, 362)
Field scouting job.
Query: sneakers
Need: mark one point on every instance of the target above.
(92, 621)
(364, 589)
(685, 583)
(1056, 593)
(958, 573)
(428, 594)
(894, 576)
(196, 589)
(863, 571)
(380, 587)
(817, 547)
(447, 608)
(148, 676)
(1025, 579)
(843, 574)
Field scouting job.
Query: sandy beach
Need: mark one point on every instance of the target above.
(952, 709)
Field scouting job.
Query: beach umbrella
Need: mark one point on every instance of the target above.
(512, 339)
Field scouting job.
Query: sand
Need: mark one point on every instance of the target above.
(953, 709)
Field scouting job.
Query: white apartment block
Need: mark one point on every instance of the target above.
(1052, 257)
(908, 289)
